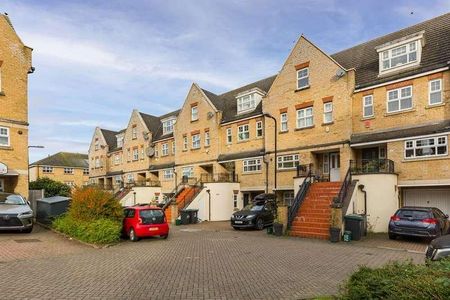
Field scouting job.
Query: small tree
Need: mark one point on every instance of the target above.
(51, 187)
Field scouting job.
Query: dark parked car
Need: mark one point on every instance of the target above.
(428, 222)
(258, 214)
(15, 213)
(439, 248)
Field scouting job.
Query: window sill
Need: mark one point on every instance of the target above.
(387, 114)
(195, 149)
(243, 141)
(286, 170)
(327, 124)
(206, 146)
(281, 132)
(303, 128)
(435, 105)
(193, 121)
(184, 150)
(302, 89)
(417, 159)
(6, 148)
(367, 118)
(251, 173)
(259, 137)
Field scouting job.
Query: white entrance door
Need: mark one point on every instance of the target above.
(2, 185)
(335, 165)
(429, 197)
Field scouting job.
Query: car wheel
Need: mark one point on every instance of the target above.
(236, 228)
(165, 236)
(28, 230)
(392, 236)
(132, 235)
(260, 224)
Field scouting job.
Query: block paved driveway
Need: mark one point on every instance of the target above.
(196, 262)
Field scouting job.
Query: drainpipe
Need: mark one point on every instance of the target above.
(209, 204)
(276, 148)
(266, 162)
(361, 188)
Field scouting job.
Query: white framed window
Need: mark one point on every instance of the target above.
(116, 159)
(246, 103)
(134, 132)
(194, 113)
(85, 171)
(47, 169)
(157, 151)
(406, 54)
(251, 165)
(168, 174)
(118, 179)
(207, 139)
(435, 91)
(368, 106)
(68, 170)
(235, 200)
(4, 136)
(128, 155)
(142, 153)
(284, 122)
(96, 145)
(229, 136)
(259, 129)
(303, 78)
(173, 147)
(97, 162)
(288, 198)
(168, 126)
(187, 172)
(399, 99)
(69, 183)
(328, 112)
(165, 149)
(185, 143)
(135, 154)
(305, 117)
(288, 161)
(243, 133)
(119, 141)
(426, 147)
(130, 178)
(196, 141)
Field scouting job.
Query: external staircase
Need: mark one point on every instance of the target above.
(313, 216)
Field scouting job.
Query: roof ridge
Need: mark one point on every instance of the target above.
(251, 83)
(387, 34)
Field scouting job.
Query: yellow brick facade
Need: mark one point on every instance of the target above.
(15, 64)
(79, 177)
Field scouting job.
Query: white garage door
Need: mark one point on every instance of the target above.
(433, 197)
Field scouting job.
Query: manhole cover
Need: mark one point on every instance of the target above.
(27, 241)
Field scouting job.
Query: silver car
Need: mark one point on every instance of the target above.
(15, 213)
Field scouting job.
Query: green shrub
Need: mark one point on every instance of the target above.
(51, 187)
(100, 231)
(400, 281)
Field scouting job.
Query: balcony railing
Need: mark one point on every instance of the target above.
(372, 166)
(219, 177)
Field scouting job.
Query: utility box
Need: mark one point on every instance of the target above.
(50, 208)
(356, 224)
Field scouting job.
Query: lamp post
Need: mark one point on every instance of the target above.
(275, 144)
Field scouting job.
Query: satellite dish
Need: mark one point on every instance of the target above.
(150, 151)
(340, 73)
(210, 115)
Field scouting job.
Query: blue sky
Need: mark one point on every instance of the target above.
(97, 60)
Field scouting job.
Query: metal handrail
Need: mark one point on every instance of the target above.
(339, 200)
(173, 194)
(187, 199)
(299, 198)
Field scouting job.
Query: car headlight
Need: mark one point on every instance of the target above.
(250, 216)
(26, 214)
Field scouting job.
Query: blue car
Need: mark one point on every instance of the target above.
(427, 222)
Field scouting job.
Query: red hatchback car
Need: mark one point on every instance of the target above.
(144, 221)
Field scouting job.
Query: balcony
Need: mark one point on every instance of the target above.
(372, 166)
(218, 177)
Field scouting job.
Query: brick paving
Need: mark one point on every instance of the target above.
(207, 261)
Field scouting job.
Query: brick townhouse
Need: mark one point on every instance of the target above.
(15, 65)
(69, 168)
(368, 125)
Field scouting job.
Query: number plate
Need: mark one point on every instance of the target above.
(238, 222)
(153, 228)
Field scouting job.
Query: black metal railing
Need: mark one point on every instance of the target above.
(338, 201)
(196, 188)
(372, 166)
(299, 198)
(142, 183)
(173, 194)
(219, 177)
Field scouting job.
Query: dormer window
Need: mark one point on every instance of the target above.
(168, 126)
(119, 141)
(249, 100)
(401, 53)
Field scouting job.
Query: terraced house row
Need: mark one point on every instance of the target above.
(367, 127)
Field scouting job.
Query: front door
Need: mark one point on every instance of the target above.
(335, 165)
(246, 199)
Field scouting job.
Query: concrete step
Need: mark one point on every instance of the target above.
(321, 236)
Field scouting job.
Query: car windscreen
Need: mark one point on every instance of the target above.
(11, 199)
(415, 214)
(152, 216)
(254, 207)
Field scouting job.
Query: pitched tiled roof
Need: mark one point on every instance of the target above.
(435, 53)
(64, 159)
(399, 133)
(110, 138)
(227, 103)
(158, 134)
